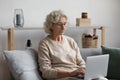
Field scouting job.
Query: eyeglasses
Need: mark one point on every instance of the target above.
(60, 24)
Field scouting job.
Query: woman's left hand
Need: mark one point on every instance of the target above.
(81, 70)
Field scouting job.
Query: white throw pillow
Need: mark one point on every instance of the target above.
(23, 64)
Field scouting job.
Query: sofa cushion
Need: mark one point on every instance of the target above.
(23, 64)
(114, 61)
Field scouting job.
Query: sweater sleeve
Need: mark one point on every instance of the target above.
(79, 59)
(45, 62)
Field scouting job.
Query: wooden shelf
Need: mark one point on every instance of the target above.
(31, 28)
(36, 28)
(11, 33)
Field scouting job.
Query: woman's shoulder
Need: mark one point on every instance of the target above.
(44, 40)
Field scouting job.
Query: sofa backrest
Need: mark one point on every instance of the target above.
(90, 52)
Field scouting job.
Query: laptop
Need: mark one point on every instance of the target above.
(96, 66)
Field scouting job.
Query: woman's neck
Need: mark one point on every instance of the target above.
(57, 38)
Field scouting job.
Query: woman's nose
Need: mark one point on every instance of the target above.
(63, 27)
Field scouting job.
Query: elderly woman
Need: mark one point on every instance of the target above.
(58, 55)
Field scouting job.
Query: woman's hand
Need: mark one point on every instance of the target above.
(80, 72)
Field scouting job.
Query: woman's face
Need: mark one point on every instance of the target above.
(60, 27)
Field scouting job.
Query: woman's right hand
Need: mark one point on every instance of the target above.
(80, 71)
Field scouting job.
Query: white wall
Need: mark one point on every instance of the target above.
(101, 12)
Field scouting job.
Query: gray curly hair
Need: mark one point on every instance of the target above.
(51, 18)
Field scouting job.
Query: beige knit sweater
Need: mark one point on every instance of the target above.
(53, 56)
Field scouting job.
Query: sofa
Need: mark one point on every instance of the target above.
(22, 63)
